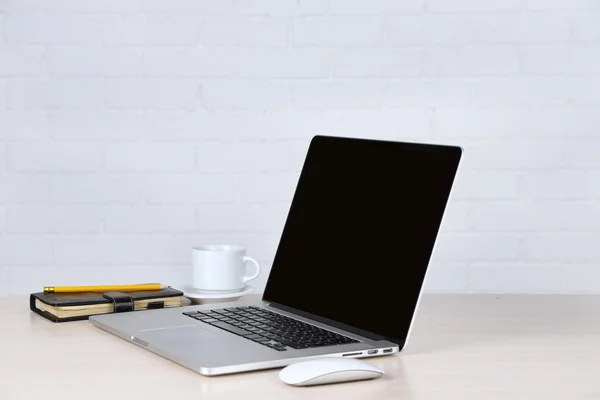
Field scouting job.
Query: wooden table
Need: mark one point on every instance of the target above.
(462, 347)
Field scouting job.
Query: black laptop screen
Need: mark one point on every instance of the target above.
(361, 230)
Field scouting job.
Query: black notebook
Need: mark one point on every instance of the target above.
(62, 307)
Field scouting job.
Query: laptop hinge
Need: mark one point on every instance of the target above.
(327, 321)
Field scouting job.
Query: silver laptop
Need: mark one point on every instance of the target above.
(347, 274)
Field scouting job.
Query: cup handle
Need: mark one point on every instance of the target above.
(256, 264)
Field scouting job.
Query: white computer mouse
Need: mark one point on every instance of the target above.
(328, 370)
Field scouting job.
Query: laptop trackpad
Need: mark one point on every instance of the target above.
(186, 332)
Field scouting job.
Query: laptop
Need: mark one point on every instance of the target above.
(347, 274)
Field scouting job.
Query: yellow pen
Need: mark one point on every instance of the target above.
(106, 288)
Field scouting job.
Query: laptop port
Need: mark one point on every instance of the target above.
(387, 351)
(352, 354)
(372, 351)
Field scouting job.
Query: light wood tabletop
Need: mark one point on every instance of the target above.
(462, 347)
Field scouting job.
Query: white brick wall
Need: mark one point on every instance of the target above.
(131, 130)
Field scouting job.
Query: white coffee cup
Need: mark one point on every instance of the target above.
(221, 268)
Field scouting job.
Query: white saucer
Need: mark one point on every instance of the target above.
(206, 296)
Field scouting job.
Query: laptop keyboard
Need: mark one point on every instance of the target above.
(269, 329)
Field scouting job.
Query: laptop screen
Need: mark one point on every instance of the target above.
(361, 230)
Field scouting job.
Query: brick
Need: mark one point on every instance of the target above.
(583, 153)
(64, 157)
(242, 218)
(230, 125)
(71, 157)
(585, 27)
(58, 219)
(500, 278)
(337, 31)
(191, 189)
(480, 246)
(290, 124)
(583, 215)
(427, 93)
(21, 6)
(99, 250)
(151, 94)
(515, 154)
(150, 219)
(244, 95)
(502, 123)
(25, 188)
(22, 125)
(25, 250)
(281, 8)
(3, 157)
(561, 5)
(200, 7)
(296, 63)
(428, 29)
(473, 61)
(582, 122)
(268, 188)
(561, 247)
(137, 157)
(513, 92)
(582, 278)
(93, 6)
(544, 122)
(176, 249)
(376, 7)
(586, 92)
(242, 63)
(52, 29)
(557, 60)
(250, 157)
(244, 32)
(4, 277)
(369, 63)
(336, 95)
(94, 61)
(518, 216)
(180, 125)
(574, 184)
(496, 185)
(2, 96)
(21, 61)
(453, 6)
(107, 125)
(53, 94)
(96, 189)
(385, 124)
(446, 277)
(151, 30)
(519, 29)
(185, 62)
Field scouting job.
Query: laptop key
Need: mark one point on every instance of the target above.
(207, 320)
(287, 343)
(231, 328)
(191, 313)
